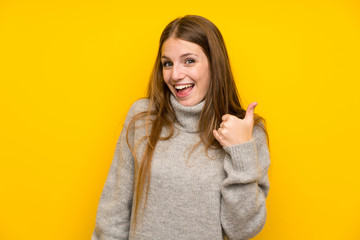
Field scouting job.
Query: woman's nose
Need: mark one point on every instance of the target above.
(177, 73)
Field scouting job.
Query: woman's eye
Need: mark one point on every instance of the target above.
(190, 61)
(166, 64)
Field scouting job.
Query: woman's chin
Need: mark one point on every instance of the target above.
(188, 102)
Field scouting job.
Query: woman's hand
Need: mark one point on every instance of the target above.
(234, 130)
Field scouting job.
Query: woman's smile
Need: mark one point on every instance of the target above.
(183, 90)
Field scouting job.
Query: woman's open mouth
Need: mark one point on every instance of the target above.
(184, 89)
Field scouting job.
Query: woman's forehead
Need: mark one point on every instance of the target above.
(175, 47)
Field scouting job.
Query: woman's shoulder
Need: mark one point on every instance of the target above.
(140, 105)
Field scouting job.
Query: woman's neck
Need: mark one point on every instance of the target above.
(187, 116)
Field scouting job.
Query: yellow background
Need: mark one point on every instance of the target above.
(69, 71)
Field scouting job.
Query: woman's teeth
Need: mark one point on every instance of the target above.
(179, 87)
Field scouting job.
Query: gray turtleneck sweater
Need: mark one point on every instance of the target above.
(190, 196)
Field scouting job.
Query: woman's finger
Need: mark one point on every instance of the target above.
(222, 131)
(216, 135)
(223, 125)
(226, 117)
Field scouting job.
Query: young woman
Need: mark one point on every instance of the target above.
(190, 162)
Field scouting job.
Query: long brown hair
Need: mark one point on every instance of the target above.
(221, 98)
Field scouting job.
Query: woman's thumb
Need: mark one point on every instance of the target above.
(250, 110)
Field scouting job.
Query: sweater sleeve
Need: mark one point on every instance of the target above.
(114, 209)
(245, 188)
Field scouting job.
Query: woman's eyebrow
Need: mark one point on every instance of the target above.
(184, 55)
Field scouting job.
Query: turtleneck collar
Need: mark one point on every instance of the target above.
(187, 116)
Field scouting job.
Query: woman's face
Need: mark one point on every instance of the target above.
(185, 70)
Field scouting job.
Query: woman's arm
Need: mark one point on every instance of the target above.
(114, 209)
(244, 190)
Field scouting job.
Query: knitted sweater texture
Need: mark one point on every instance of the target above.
(196, 196)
